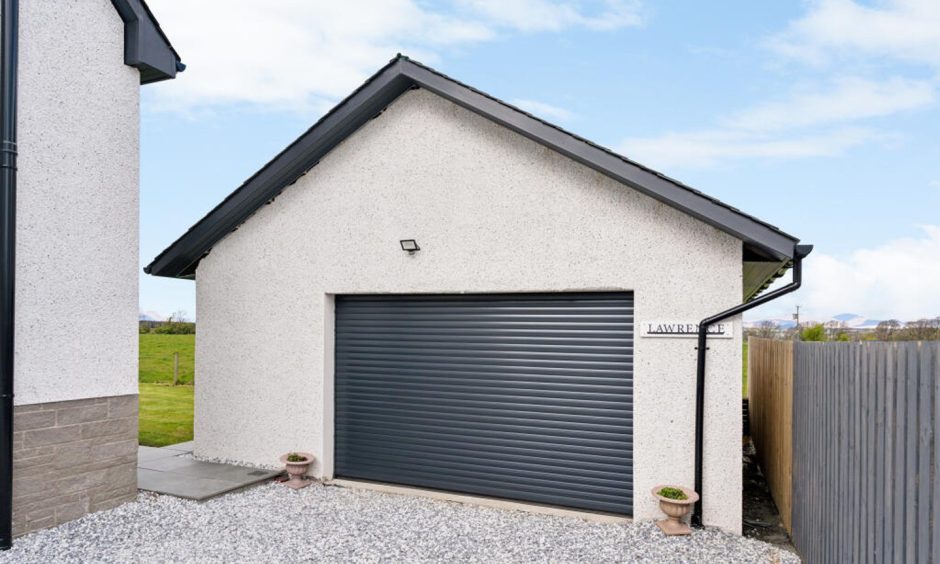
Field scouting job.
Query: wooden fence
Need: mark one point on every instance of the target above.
(865, 457)
(770, 394)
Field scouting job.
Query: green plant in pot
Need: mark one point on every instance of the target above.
(297, 464)
(676, 502)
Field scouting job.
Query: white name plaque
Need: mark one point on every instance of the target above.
(685, 329)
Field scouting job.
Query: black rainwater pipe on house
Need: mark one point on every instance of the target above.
(9, 30)
(799, 253)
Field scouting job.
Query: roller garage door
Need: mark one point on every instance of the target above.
(519, 396)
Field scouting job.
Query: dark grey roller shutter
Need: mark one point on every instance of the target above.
(521, 396)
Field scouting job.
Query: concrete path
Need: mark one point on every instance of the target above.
(172, 471)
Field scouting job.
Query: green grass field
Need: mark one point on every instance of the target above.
(156, 358)
(166, 411)
(166, 414)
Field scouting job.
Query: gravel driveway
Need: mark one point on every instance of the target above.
(272, 523)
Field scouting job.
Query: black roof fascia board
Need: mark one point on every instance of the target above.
(146, 47)
(179, 260)
(655, 185)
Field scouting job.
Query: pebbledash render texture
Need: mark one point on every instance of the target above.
(71, 458)
(80, 68)
(503, 355)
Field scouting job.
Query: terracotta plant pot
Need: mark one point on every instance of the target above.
(297, 470)
(675, 509)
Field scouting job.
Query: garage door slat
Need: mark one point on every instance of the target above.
(445, 428)
(510, 381)
(464, 439)
(483, 374)
(523, 396)
(598, 426)
(377, 407)
(431, 339)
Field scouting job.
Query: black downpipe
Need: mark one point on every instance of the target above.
(799, 253)
(9, 30)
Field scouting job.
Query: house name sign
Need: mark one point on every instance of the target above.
(685, 329)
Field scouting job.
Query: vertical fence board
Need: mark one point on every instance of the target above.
(874, 454)
(861, 531)
(863, 463)
(934, 373)
(905, 455)
(900, 364)
(887, 360)
(843, 484)
(924, 443)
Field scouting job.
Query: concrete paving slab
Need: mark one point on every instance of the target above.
(173, 463)
(145, 453)
(227, 472)
(181, 485)
(182, 447)
(173, 472)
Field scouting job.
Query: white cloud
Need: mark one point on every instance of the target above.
(899, 279)
(829, 118)
(908, 30)
(543, 110)
(710, 147)
(307, 54)
(543, 15)
(808, 123)
(847, 99)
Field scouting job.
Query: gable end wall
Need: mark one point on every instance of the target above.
(493, 212)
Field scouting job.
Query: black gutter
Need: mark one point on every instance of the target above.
(799, 253)
(9, 39)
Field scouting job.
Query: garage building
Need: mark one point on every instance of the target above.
(433, 288)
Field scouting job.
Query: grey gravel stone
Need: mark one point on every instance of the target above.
(191, 456)
(272, 523)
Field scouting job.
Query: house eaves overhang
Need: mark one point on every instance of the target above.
(762, 241)
(146, 47)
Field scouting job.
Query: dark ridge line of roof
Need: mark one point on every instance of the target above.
(415, 83)
(241, 186)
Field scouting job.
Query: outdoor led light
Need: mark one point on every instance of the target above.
(409, 245)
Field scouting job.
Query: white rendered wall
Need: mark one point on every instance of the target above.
(493, 212)
(77, 208)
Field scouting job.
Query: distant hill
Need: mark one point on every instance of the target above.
(849, 320)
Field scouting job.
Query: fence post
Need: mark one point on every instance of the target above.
(176, 369)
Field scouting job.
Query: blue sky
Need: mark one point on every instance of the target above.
(819, 117)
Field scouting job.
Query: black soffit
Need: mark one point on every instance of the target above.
(146, 47)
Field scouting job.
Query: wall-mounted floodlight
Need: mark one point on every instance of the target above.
(410, 245)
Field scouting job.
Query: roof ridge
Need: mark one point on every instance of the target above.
(381, 89)
(245, 182)
(595, 145)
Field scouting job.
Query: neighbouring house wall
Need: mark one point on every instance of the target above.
(77, 205)
(75, 415)
(72, 457)
(493, 212)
